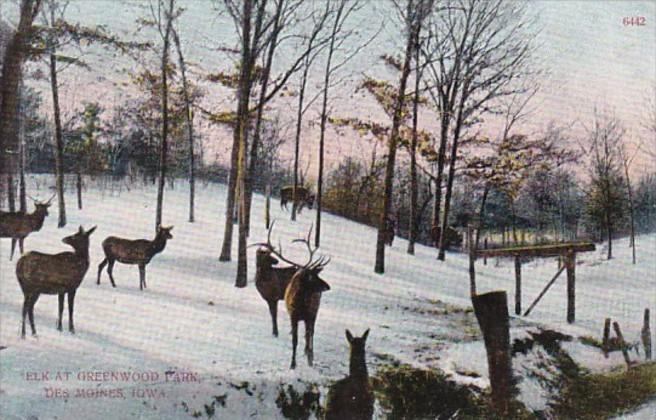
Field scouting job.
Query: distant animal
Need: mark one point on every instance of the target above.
(303, 197)
(390, 228)
(57, 274)
(17, 225)
(352, 397)
(127, 251)
(453, 237)
(271, 282)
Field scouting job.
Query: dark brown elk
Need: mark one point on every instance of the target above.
(303, 296)
(17, 225)
(303, 197)
(352, 397)
(58, 274)
(271, 282)
(127, 251)
(453, 237)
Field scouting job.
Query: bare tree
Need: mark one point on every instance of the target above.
(476, 53)
(164, 17)
(15, 54)
(416, 11)
(627, 160)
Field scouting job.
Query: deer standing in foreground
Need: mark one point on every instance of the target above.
(139, 251)
(352, 397)
(271, 282)
(57, 274)
(303, 296)
(17, 225)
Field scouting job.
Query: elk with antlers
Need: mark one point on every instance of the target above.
(17, 225)
(271, 282)
(302, 198)
(303, 295)
(139, 251)
(58, 274)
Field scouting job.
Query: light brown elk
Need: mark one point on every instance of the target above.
(127, 251)
(352, 397)
(58, 274)
(303, 197)
(17, 225)
(271, 282)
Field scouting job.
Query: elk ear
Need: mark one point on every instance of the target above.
(349, 336)
(170, 228)
(80, 230)
(365, 335)
(321, 286)
(90, 231)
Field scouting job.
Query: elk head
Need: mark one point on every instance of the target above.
(42, 206)
(165, 232)
(80, 239)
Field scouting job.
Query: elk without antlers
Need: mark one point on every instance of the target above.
(18, 225)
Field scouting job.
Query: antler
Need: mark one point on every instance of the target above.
(272, 249)
(312, 265)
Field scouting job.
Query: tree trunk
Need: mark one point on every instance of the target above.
(21, 164)
(9, 92)
(452, 169)
(299, 123)
(11, 192)
(481, 214)
(631, 212)
(324, 119)
(165, 117)
(412, 237)
(254, 158)
(413, 25)
(190, 126)
(78, 185)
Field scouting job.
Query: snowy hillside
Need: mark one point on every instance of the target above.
(192, 319)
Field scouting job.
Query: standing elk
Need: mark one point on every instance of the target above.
(57, 274)
(352, 397)
(17, 225)
(271, 282)
(453, 237)
(127, 251)
(303, 296)
(303, 197)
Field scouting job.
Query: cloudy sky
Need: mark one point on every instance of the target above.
(593, 59)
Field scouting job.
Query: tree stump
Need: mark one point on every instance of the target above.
(491, 311)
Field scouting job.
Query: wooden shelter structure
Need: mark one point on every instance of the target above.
(566, 250)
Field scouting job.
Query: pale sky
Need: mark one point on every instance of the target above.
(593, 59)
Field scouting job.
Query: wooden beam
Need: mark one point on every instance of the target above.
(552, 250)
(535, 302)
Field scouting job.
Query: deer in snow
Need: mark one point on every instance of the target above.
(271, 282)
(352, 397)
(17, 225)
(127, 251)
(58, 274)
(303, 197)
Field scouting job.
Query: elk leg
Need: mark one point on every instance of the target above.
(273, 308)
(110, 271)
(20, 245)
(61, 311)
(294, 342)
(26, 306)
(100, 268)
(13, 246)
(142, 276)
(31, 312)
(309, 345)
(71, 301)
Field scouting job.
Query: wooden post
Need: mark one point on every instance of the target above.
(645, 334)
(518, 285)
(570, 263)
(472, 261)
(491, 311)
(620, 339)
(267, 206)
(485, 247)
(605, 343)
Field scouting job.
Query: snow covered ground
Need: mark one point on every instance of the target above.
(191, 319)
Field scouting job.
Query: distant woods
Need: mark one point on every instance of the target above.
(439, 123)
